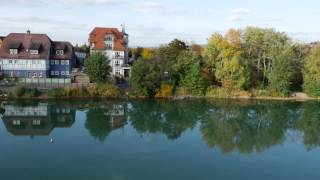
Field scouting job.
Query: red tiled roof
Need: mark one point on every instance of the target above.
(97, 36)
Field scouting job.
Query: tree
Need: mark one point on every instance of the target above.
(145, 77)
(223, 60)
(167, 55)
(260, 46)
(98, 68)
(188, 72)
(147, 53)
(311, 73)
(281, 74)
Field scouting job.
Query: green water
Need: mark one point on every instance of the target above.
(160, 140)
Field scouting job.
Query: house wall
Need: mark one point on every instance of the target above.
(25, 67)
(60, 68)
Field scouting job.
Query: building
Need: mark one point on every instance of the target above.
(114, 44)
(35, 56)
(1, 40)
(81, 56)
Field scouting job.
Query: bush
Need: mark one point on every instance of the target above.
(166, 90)
(21, 92)
(219, 92)
(56, 93)
(109, 91)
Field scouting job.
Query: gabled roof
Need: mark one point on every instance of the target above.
(41, 42)
(24, 42)
(61, 45)
(35, 46)
(98, 34)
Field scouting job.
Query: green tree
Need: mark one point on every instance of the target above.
(260, 46)
(167, 55)
(311, 73)
(223, 60)
(145, 77)
(281, 74)
(98, 68)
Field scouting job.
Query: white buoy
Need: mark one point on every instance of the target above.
(51, 140)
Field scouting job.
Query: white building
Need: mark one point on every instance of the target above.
(114, 44)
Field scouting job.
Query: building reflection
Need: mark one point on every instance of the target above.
(102, 120)
(36, 119)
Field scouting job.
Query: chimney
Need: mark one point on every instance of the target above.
(28, 32)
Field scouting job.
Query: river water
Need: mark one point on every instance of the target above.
(159, 140)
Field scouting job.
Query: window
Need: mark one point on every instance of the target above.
(57, 62)
(67, 73)
(13, 51)
(36, 122)
(10, 61)
(59, 52)
(34, 52)
(40, 74)
(62, 73)
(52, 73)
(52, 62)
(34, 74)
(108, 38)
(57, 73)
(62, 62)
(117, 71)
(67, 62)
(16, 122)
(108, 46)
(117, 63)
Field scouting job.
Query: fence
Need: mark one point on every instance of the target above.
(45, 82)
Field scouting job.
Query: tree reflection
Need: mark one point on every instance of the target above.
(104, 118)
(309, 124)
(247, 128)
(169, 118)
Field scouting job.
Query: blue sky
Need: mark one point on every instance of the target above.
(154, 22)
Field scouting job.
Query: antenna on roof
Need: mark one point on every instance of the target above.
(123, 27)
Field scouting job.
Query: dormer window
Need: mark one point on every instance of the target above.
(60, 52)
(108, 37)
(35, 48)
(13, 51)
(34, 52)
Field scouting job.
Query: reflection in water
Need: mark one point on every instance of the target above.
(103, 119)
(244, 126)
(36, 119)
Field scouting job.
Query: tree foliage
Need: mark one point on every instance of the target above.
(312, 72)
(145, 77)
(98, 68)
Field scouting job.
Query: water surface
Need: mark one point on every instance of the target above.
(144, 140)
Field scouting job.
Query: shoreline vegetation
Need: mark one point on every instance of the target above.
(113, 92)
(251, 63)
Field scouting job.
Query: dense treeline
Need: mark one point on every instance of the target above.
(249, 62)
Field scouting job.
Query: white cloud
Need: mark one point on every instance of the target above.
(238, 14)
(46, 2)
(42, 20)
(157, 7)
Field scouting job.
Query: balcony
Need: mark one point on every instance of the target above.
(118, 57)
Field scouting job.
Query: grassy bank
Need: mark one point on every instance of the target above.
(113, 92)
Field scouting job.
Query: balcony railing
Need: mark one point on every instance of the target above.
(118, 57)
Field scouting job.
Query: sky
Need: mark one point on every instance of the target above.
(153, 22)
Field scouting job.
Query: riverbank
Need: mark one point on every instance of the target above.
(112, 92)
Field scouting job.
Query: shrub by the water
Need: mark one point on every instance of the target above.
(21, 92)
